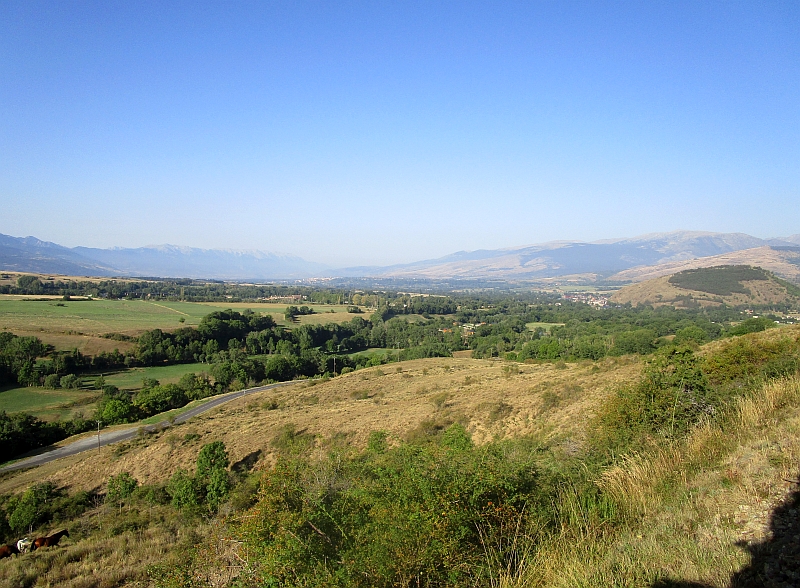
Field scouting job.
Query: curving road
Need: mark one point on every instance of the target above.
(109, 437)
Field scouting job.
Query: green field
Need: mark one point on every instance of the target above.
(97, 317)
(369, 352)
(48, 404)
(79, 324)
(63, 404)
(545, 326)
(131, 379)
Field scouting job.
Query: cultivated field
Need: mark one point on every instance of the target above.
(80, 323)
(131, 379)
(47, 404)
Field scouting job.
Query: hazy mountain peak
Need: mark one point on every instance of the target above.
(586, 261)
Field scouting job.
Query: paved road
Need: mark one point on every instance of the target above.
(109, 437)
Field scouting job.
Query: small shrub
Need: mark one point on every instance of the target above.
(510, 370)
(456, 437)
(70, 381)
(52, 381)
(499, 411)
(290, 440)
(120, 487)
(550, 400)
(377, 441)
(439, 401)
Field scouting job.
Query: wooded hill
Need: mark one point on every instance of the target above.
(732, 285)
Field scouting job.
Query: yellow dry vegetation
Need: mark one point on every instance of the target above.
(659, 292)
(492, 398)
(781, 262)
(694, 510)
(86, 344)
(698, 509)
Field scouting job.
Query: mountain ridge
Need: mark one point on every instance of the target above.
(618, 259)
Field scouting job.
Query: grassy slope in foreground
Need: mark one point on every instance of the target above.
(487, 395)
(684, 506)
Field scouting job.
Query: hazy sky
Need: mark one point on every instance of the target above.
(380, 132)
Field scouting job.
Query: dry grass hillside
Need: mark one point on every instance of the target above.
(659, 292)
(717, 508)
(492, 398)
(782, 262)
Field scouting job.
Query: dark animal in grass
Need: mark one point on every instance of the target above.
(50, 540)
(8, 550)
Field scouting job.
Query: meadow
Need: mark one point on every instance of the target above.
(47, 404)
(80, 324)
(131, 379)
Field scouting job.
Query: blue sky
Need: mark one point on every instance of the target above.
(377, 132)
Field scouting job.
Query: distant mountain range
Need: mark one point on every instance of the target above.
(577, 260)
(164, 261)
(623, 260)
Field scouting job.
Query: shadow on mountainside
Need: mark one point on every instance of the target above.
(775, 562)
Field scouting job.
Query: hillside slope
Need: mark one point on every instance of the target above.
(714, 507)
(782, 261)
(486, 395)
(671, 291)
(578, 260)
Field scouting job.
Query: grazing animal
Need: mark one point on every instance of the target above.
(8, 550)
(24, 545)
(50, 540)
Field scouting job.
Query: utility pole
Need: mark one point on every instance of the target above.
(98, 436)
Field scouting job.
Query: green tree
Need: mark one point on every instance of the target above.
(120, 487)
(71, 381)
(160, 398)
(182, 490)
(30, 284)
(291, 312)
(115, 411)
(31, 507)
(211, 457)
(217, 488)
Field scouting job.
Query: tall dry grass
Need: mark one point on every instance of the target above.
(682, 504)
(120, 550)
